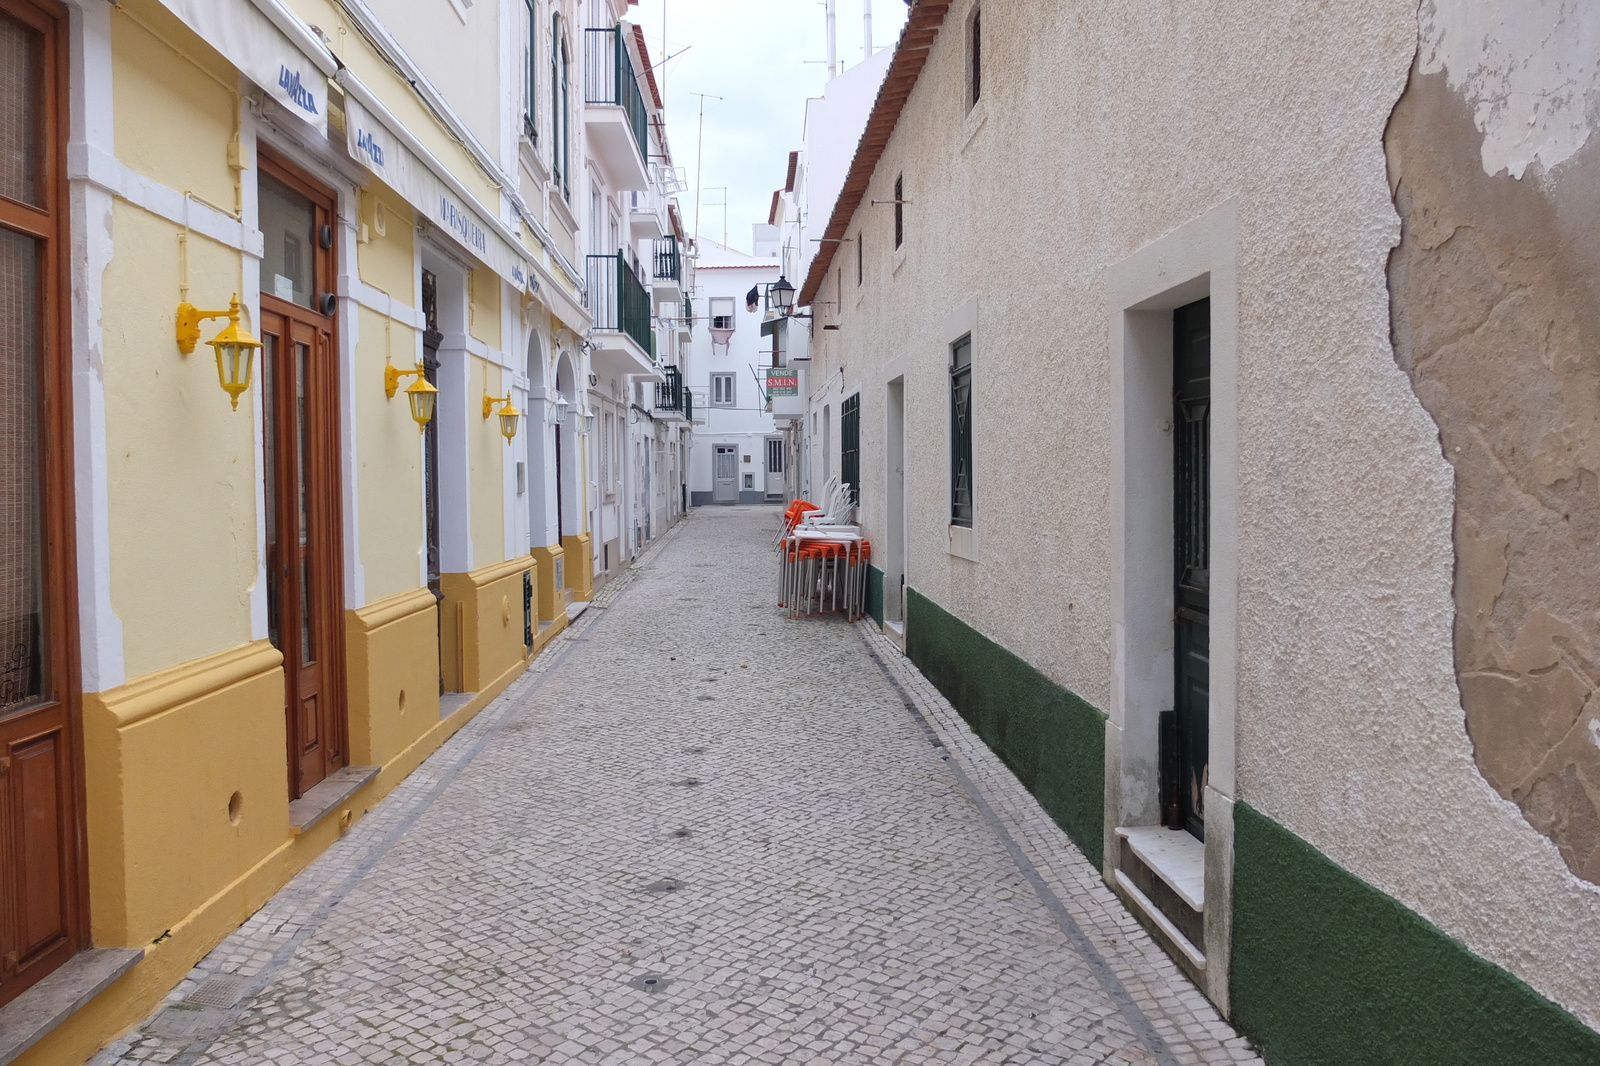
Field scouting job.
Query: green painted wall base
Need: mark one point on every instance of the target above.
(875, 594)
(1052, 740)
(1328, 971)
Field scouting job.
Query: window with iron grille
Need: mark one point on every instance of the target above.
(850, 445)
(722, 390)
(961, 432)
(899, 211)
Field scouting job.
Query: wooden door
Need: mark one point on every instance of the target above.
(300, 398)
(42, 901)
(1191, 437)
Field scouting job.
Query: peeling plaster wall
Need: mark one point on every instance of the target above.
(1496, 316)
(1529, 71)
(1105, 127)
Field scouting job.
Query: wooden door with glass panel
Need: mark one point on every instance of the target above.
(300, 390)
(42, 902)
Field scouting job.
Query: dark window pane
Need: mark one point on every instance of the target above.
(287, 222)
(21, 604)
(19, 112)
(961, 432)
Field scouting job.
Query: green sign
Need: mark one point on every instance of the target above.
(781, 381)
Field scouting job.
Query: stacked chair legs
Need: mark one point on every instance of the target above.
(823, 558)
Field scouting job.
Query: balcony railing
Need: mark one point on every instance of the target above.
(669, 260)
(618, 300)
(670, 394)
(608, 78)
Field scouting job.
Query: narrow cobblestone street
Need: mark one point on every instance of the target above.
(725, 838)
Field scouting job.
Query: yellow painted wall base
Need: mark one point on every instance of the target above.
(392, 648)
(482, 624)
(551, 582)
(580, 572)
(229, 686)
(545, 635)
(164, 755)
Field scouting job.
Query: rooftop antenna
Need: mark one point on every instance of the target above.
(866, 49)
(699, 153)
(723, 189)
(833, 39)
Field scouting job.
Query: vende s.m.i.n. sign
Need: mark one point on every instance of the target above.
(782, 382)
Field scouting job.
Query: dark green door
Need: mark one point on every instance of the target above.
(1191, 519)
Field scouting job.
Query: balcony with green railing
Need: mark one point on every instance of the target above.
(615, 109)
(618, 301)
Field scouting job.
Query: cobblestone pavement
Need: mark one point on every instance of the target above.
(695, 831)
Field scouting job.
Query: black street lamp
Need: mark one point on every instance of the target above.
(781, 293)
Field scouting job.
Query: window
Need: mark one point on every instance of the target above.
(530, 102)
(961, 432)
(560, 77)
(722, 312)
(850, 445)
(974, 59)
(722, 390)
(605, 451)
(899, 210)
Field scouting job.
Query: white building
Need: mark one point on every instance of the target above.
(816, 172)
(1234, 481)
(738, 456)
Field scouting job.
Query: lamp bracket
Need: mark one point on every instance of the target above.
(391, 378)
(491, 402)
(188, 325)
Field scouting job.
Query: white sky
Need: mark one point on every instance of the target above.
(755, 55)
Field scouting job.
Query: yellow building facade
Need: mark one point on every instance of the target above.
(250, 589)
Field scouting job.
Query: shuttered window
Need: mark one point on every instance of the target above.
(850, 445)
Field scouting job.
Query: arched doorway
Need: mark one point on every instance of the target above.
(569, 495)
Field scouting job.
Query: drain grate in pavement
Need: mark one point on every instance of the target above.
(665, 885)
(651, 983)
(683, 834)
(181, 1021)
(220, 991)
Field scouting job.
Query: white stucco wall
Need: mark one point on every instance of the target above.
(725, 272)
(1104, 128)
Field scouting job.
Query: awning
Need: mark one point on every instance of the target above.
(247, 38)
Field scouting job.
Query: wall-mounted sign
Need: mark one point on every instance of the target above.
(371, 142)
(247, 39)
(781, 381)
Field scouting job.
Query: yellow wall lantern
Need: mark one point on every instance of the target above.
(420, 393)
(508, 414)
(235, 347)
